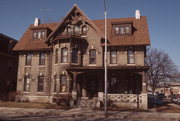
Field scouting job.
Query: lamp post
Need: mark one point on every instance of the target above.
(105, 60)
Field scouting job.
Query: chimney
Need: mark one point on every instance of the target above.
(137, 14)
(36, 21)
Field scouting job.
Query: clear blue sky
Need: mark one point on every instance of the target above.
(163, 17)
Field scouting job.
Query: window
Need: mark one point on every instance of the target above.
(55, 83)
(39, 35)
(122, 29)
(28, 59)
(42, 59)
(40, 87)
(76, 30)
(26, 83)
(131, 59)
(74, 55)
(64, 55)
(113, 57)
(63, 83)
(56, 56)
(69, 30)
(84, 30)
(92, 56)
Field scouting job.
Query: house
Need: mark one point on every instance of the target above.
(68, 58)
(8, 66)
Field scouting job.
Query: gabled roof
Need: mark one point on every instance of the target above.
(85, 17)
(139, 37)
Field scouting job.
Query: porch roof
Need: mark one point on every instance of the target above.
(98, 68)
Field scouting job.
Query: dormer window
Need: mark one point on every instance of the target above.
(122, 29)
(69, 30)
(39, 35)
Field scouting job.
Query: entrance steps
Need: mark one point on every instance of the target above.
(87, 103)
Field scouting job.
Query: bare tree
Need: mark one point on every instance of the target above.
(161, 68)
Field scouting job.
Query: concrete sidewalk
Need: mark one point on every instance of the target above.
(32, 114)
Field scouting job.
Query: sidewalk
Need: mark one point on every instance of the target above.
(81, 114)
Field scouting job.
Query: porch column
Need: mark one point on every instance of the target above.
(144, 84)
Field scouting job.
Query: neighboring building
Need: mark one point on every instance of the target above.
(8, 66)
(68, 58)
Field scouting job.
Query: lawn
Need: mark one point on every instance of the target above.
(31, 105)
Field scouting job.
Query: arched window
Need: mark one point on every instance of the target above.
(131, 59)
(64, 55)
(63, 83)
(113, 57)
(84, 30)
(74, 55)
(40, 86)
(76, 30)
(92, 56)
(56, 55)
(69, 30)
(26, 83)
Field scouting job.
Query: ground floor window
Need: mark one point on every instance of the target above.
(55, 83)
(40, 87)
(63, 83)
(26, 83)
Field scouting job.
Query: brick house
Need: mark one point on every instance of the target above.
(68, 58)
(8, 66)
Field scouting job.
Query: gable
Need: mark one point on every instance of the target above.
(74, 18)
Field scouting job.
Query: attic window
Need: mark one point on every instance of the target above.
(39, 35)
(122, 29)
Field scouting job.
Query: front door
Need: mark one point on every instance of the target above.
(92, 86)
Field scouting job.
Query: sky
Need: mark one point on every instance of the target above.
(163, 17)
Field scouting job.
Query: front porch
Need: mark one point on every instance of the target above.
(126, 87)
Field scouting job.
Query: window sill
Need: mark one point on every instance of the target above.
(92, 65)
(113, 64)
(84, 36)
(40, 92)
(64, 63)
(55, 64)
(27, 66)
(131, 64)
(41, 65)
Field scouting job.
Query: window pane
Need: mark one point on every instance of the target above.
(74, 55)
(43, 35)
(42, 59)
(76, 30)
(39, 35)
(113, 57)
(40, 84)
(34, 35)
(28, 59)
(56, 55)
(64, 55)
(63, 83)
(26, 83)
(131, 57)
(122, 31)
(116, 28)
(84, 30)
(127, 29)
(92, 56)
(69, 30)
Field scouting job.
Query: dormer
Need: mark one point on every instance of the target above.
(122, 29)
(39, 33)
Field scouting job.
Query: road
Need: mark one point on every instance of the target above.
(81, 114)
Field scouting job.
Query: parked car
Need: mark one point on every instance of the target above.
(175, 98)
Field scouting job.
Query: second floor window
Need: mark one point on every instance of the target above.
(76, 30)
(28, 59)
(74, 55)
(92, 56)
(84, 30)
(40, 87)
(26, 83)
(42, 59)
(113, 57)
(64, 55)
(131, 58)
(56, 56)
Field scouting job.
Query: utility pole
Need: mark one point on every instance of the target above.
(105, 60)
